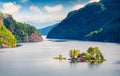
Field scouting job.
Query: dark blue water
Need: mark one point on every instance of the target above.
(36, 59)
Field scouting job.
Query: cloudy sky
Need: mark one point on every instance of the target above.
(41, 13)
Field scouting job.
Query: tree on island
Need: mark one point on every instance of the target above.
(93, 54)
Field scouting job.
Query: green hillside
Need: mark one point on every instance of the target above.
(97, 21)
(23, 32)
(6, 37)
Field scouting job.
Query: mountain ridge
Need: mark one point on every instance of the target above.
(12, 32)
(23, 32)
(90, 18)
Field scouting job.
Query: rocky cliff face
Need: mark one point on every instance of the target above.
(33, 38)
(87, 21)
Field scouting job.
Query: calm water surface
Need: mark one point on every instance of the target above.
(36, 59)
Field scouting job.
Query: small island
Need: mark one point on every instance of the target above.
(93, 55)
(60, 57)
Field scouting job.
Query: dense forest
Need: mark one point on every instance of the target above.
(20, 30)
(12, 31)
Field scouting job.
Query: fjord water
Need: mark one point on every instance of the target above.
(36, 59)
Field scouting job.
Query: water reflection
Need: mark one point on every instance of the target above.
(92, 65)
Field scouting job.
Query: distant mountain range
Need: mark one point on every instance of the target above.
(98, 21)
(44, 31)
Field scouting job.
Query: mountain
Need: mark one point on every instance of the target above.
(98, 21)
(109, 33)
(23, 32)
(44, 31)
(6, 37)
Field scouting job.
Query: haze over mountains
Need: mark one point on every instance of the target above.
(98, 21)
(46, 30)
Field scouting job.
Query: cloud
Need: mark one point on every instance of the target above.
(24, 1)
(53, 9)
(93, 1)
(40, 21)
(35, 9)
(10, 8)
(79, 1)
(41, 18)
(78, 6)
